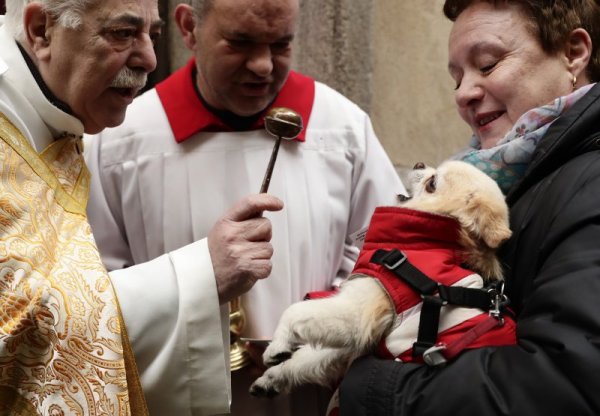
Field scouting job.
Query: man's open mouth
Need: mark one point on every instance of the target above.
(125, 92)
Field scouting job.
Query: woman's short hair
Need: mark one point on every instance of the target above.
(68, 13)
(552, 22)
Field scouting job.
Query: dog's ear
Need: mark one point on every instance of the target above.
(486, 220)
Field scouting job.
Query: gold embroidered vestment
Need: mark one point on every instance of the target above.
(63, 346)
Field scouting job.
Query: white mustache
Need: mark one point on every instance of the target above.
(130, 78)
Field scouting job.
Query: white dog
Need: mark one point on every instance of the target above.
(464, 209)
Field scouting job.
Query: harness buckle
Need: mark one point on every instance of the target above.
(433, 356)
(498, 301)
(395, 256)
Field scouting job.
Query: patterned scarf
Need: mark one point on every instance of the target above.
(507, 161)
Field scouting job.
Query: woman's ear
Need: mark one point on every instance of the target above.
(38, 27)
(184, 18)
(578, 53)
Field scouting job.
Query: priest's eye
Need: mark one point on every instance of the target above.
(430, 184)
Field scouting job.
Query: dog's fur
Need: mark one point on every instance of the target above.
(317, 339)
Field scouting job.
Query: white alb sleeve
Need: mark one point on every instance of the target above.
(178, 331)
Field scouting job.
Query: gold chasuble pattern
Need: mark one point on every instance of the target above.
(63, 347)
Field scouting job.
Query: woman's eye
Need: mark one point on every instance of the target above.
(430, 185)
(487, 68)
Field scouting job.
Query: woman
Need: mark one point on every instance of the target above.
(509, 59)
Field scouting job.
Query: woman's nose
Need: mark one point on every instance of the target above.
(468, 92)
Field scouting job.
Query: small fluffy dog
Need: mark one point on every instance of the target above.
(454, 215)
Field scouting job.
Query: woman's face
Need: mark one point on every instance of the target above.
(501, 70)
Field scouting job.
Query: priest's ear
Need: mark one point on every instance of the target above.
(37, 27)
(186, 22)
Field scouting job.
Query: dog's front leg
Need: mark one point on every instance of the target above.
(323, 366)
(355, 318)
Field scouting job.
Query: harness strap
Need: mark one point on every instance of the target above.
(441, 353)
(428, 325)
(397, 262)
(465, 296)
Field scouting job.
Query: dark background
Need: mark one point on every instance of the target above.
(162, 47)
(2, 8)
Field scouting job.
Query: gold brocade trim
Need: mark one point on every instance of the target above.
(75, 203)
(82, 184)
(137, 400)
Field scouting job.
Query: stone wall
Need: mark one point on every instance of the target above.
(412, 93)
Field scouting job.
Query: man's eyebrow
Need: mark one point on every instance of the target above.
(134, 20)
(247, 36)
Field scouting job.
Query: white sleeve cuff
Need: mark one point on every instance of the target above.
(178, 331)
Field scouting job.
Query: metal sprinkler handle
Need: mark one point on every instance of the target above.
(283, 123)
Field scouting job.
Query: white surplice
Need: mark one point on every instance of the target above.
(152, 195)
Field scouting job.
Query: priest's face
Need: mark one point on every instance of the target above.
(243, 51)
(99, 67)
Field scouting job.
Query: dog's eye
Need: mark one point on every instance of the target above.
(430, 185)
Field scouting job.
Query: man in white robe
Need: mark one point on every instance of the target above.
(69, 67)
(196, 142)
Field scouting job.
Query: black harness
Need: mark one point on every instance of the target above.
(435, 295)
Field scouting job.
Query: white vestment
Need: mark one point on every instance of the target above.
(152, 194)
(170, 335)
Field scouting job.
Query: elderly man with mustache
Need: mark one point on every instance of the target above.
(74, 339)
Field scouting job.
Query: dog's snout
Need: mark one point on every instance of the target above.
(419, 165)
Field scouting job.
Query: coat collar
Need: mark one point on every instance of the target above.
(411, 228)
(187, 114)
(572, 134)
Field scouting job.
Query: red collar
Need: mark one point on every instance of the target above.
(187, 114)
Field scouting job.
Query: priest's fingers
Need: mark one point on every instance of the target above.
(237, 262)
(235, 280)
(226, 232)
(253, 206)
(239, 245)
(255, 229)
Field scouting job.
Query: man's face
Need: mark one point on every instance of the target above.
(88, 67)
(243, 52)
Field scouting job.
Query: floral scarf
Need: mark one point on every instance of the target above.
(507, 161)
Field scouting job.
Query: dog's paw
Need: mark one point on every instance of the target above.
(276, 354)
(262, 389)
(268, 385)
(278, 358)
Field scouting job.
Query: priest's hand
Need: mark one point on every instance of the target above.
(239, 245)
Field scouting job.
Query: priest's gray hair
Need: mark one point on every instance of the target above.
(67, 13)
